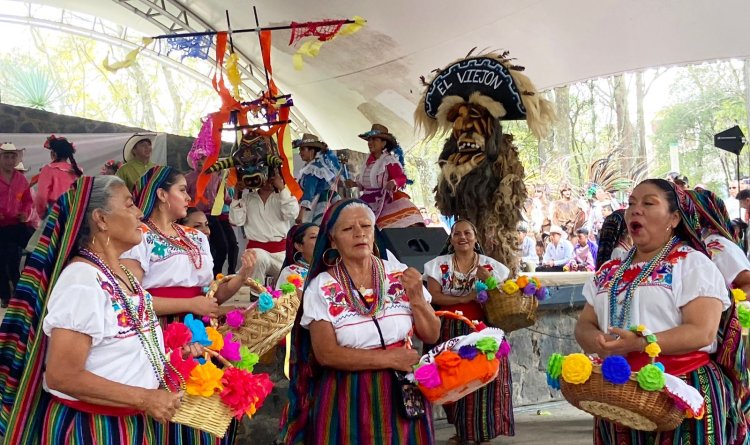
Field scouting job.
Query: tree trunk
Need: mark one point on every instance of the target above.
(148, 121)
(177, 117)
(624, 127)
(640, 94)
(562, 128)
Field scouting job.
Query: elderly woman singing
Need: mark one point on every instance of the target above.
(351, 334)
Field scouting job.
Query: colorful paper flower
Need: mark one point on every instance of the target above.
(554, 365)
(651, 378)
(288, 288)
(529, 289)
(179, 371)
(743, 313)
(428, 376)
(231, 349)
(576, 368)
(248, 359)
(204, 380)
(510, 287)
(217, 341)
(653, 350)
(482, 297)
(615, 369)
(541, 293)
(198, 330)
(640, 329)
(488, 346)
(265, 302)
(468, 352)
(491, 282)
(739, 295)
(295, 280)
(503, 350)
(176, 335)
(244, 392)
(660, 366)
(522, 281)
(553, 382)
(235, 318)
(479, 286)
(447, 361)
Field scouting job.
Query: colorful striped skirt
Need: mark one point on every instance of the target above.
(723, 424)
(68, 426)
(488, 412)
(175, 434)
(358, 408)
(392, 212)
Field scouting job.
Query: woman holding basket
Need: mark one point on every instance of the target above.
(93, 371)
(451, 277)
(352, 332)
(667, 284)
(174, 264)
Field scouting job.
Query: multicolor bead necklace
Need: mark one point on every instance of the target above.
(466, 285)
(136, 318)
(369, 307)
(621, 319)
(181, 242)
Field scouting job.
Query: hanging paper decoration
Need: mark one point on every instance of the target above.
(233, 74)
(129, 57)
(195, 46)
(323, 32)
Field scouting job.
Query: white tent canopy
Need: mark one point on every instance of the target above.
(373, 76)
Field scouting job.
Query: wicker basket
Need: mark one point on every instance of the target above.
(207, 414)
(627, 404)
(262, 331)
(474, 377)
(510, 312)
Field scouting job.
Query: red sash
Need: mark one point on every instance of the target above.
(101, 410)
(268, 246)
(471, 310)
(676, 365)
(176, 292)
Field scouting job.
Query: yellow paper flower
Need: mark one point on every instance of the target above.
(204, 380)
(640, 328)
(510, 287)
(217, 341)
(219, 276)
(739, 295)
(576, 368)
(522, 281)
(653, 350)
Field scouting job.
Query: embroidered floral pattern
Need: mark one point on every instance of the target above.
(337, 305)
(162, 250)
(661, 276)
(120, 315)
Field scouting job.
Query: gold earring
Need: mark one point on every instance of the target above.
(107, 243)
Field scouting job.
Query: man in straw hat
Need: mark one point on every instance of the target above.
(318, 178)
(137, 156)
(15, 208)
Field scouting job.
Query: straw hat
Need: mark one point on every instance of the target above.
(127, 150)
(20, 167)
(556, 229)
(309, 140)
(8, 146)
(381, 132)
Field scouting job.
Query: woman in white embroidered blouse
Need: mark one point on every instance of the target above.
(300, 243)
(352, 331)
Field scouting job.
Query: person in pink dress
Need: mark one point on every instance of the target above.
(56, 177)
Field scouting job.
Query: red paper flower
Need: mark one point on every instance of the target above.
(181, 366)
(176, 336)
(244, 392)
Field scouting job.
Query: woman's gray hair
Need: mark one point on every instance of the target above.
(101, 193)
(359, 205)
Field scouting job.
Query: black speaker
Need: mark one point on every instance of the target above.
(414, 246)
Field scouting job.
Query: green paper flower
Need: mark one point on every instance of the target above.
(651, 338)
(248, 359)
(488, 346)
(743, 314)
(287, 288)
(554, 365)
(491, 282)
(651, 378)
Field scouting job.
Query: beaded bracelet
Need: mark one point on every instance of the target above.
(652, 347)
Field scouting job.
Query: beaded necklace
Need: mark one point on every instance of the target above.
(135, 319)
(455, 282)
(181, 242)
(621, 319)
(371, 306)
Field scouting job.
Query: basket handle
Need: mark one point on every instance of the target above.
(218, 357)
(214, 287)
(455, 316)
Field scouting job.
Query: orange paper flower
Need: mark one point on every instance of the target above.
(522, 281)
(216, 339)
(204, 380)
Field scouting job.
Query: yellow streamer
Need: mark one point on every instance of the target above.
(219, 201)
(311, 48)
(233, 74)
(287, 354)
(129, 58)
(351, 28)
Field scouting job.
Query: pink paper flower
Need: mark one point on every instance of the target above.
(235, 318)
(428, 376)
(231, 349)
(503, 350)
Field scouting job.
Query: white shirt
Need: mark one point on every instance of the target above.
(83, 301)
(560, 254)
(453, 283)
(681, 278)
(727, 256)
(264, 222)
(733, 207)
(528, 251)
(165, 265)
(324, 300)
